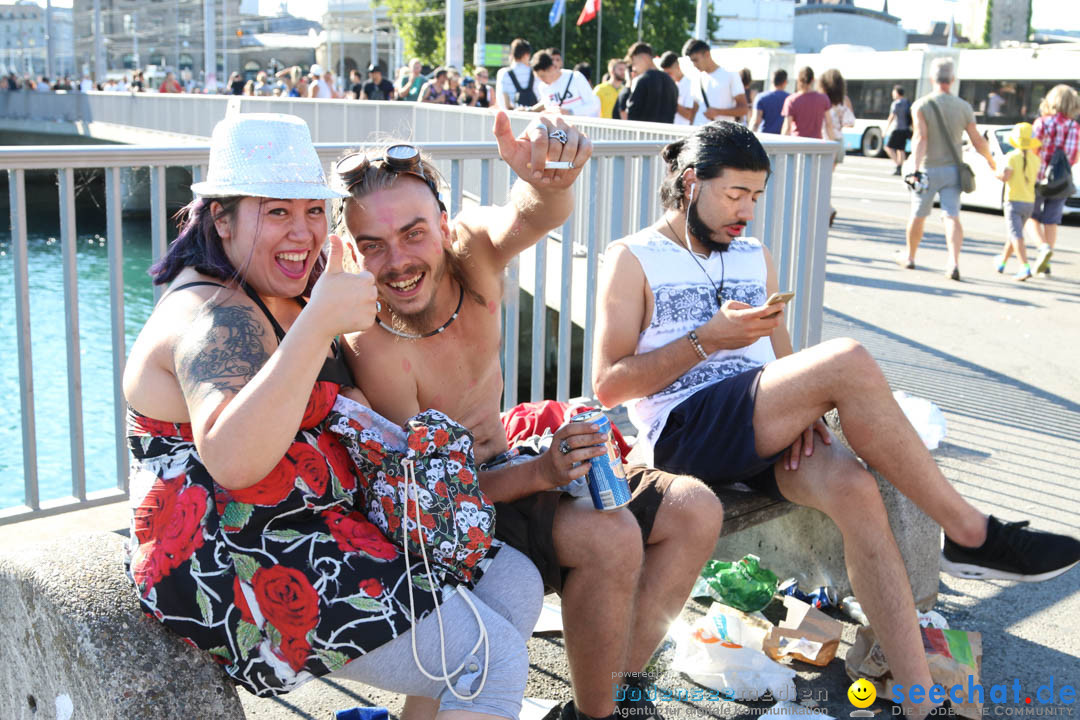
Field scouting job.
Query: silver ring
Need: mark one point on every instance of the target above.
(559, 135)
(378, 306)
(564, 447)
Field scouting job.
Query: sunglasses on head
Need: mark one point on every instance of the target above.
(398, 159)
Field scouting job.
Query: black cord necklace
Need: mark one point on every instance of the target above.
(717, 290)
(436, 331)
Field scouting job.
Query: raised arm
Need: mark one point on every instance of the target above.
(245, 398)
(540, 200)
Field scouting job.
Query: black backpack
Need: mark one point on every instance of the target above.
(1058, 183)
(524, 95)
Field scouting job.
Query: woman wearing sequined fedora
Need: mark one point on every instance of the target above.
(274, 524)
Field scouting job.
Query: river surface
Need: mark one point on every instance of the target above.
(49, 354)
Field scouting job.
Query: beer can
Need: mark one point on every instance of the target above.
(607, 481)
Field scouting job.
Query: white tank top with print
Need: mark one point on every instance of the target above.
(683, 300)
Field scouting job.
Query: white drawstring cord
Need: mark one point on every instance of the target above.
(410, 474)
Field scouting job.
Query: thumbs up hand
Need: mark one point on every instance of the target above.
(344, 297)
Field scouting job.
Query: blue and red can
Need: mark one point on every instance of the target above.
(607, 481)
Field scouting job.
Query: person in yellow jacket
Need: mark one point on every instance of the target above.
(1019, 173)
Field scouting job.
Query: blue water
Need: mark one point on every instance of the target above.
(49, 355)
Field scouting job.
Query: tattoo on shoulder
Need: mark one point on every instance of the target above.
(224, 350)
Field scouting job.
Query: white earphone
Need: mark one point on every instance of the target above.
(691, 198)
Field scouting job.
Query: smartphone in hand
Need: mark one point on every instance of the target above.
(778, 298)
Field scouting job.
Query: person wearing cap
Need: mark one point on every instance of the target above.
(377, 87)
(322, 83)
(654, 96)
(436, 345)
(1019, 173)
(250, 537)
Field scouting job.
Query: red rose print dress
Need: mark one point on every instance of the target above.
(284, 580)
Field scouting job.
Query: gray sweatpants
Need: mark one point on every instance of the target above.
(508, 598)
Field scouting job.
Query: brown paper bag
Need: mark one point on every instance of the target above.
(806, 634)
(953, 655)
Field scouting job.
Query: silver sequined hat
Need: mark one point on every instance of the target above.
(264, 155)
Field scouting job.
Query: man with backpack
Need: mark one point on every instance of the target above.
(563, 91)
(940, 120)
(515, 84)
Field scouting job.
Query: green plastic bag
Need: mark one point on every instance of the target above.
(744, 585)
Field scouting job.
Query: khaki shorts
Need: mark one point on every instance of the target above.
(526, 524)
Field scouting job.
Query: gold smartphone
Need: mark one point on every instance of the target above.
(779, 297)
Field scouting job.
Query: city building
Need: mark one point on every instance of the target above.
(938, 34)
(742, 20)
(25, 40)
(822, 22)
(165, 35)
(361, 31)
(1008, 22)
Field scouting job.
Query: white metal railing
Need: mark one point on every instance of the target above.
(615, 195)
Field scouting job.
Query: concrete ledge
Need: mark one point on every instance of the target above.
(805, 544)
(73, 634)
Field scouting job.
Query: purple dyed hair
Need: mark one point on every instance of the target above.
(198, 245)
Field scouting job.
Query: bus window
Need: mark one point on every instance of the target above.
(872, 99)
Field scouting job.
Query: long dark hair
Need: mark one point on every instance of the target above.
(832, 84)
(708, 151)
(198, 245)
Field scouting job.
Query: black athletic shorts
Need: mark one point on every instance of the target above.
(710, 436)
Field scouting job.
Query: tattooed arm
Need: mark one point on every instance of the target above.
(245, 398)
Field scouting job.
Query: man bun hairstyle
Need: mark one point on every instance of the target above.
(710, 150)
(806, 76)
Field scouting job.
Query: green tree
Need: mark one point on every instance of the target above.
(988, 26)
(666, 25)
(422, 27)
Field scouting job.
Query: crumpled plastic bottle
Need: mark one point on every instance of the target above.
(744, 585)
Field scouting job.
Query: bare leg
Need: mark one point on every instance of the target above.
(892, 155)
(901, 156)
(1021, 251)
(1007, 250)
(915, 228)
(834, 482)
(1050, 232)
(954, 238)
(1038, 231)
(797, 389)
(682, 540)
(604, 553)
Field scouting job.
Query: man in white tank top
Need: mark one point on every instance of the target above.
(685, 339)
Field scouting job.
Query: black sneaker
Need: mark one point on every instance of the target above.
(569, 712)
(1012, 552)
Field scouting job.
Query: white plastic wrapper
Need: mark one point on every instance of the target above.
(716, 652)
(925, 417)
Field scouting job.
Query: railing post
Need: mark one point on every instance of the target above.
(114, 232)
(566, 310)
(68, 244)
(592, 261)
(539, 321)
(158, 212)
(21, 257)
(511, 295)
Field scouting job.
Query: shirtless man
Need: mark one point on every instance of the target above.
(436, 345)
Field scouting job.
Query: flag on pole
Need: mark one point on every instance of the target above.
(589, 11)
(557, 9)
(638, 6)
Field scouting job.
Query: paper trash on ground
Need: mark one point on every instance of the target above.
(806, 634)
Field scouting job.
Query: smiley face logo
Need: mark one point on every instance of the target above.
(862, 693)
